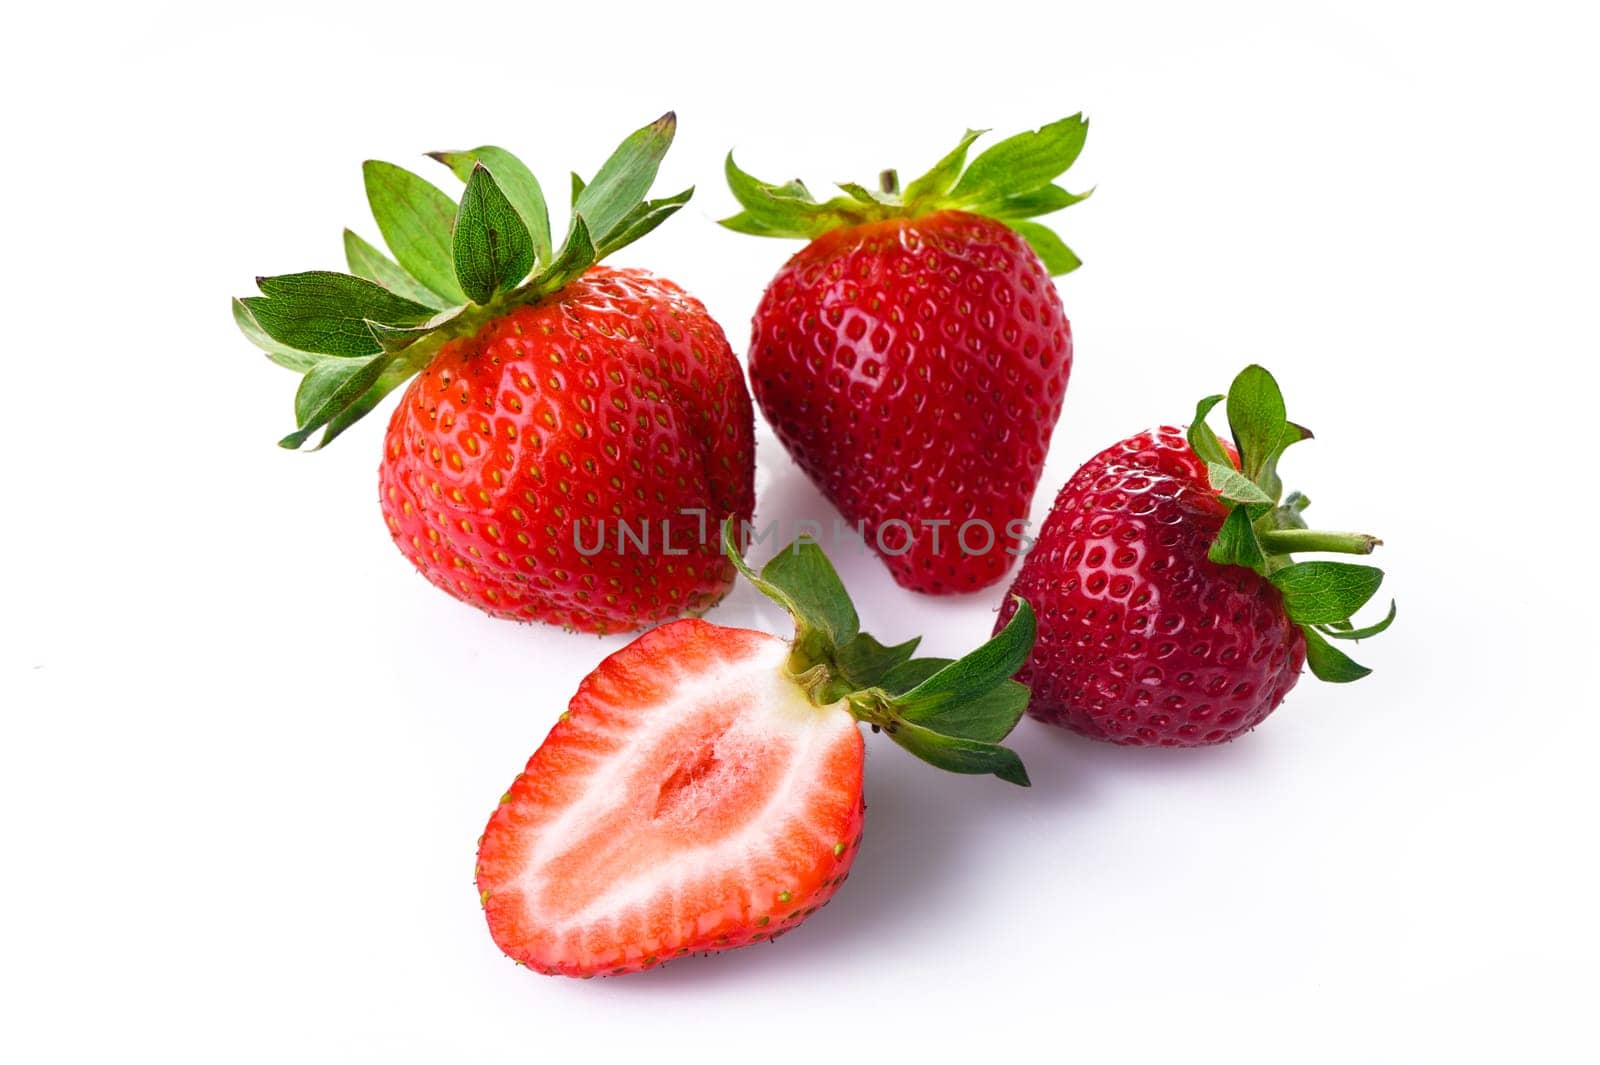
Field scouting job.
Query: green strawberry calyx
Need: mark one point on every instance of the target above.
(1012, 181)
(950, 714)
(355, 337)
(1261, 532)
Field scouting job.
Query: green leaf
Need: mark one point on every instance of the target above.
(370, 263)
(577, 187)
(908, 675)
(1202, 440)
(1235, 486)
(624, 178)
(1329, 663)
(862, 194)
(810, 587)
(1047, 200)
(493, 250)
(1319, 593)
(1236, 543)
(329, 388)
(977, 672)
(960, 755)
(577, 254)
(936, 182)
(1290, 514)
(988, 717)
(1344, 630)
(642, 219)
(415, 219)
(865, 662)
(1057, 257)
(394, 375)
(1022, 163)
(394, 339)
(775, 210)
(282, 354)
(326, 313)
(518, 184)
(1257, 419)
(1268, 478)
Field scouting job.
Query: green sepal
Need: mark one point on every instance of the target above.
(1058, 259)
(492, 247)
(1324, 593)
(329, 388)
(1329, 663)
(949, 713)
(1022, 163)
(623, 179)
(938, 181)
(641, 220)
(370, 263)
(865, 662)
(326, 313)
(988, 717)
(1346, 630)
(393, 376)
(1234, 486)
(1047, 200)
(577, 254)
(959, 755)
(577, 188)
(1259, 533)
(1012, 181)
(1236, 543)
(518, 184)
(415, 219)
(975, 674)
(280, 353)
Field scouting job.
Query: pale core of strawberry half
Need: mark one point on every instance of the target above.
(572, 435)
(913, 357)
(703, 789)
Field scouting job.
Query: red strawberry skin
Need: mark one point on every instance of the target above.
(1143, 640)
(615, 399)
(915, 369)
(690, 799)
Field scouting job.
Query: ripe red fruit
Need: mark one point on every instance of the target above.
(573, 431)
(1170, 611)
(914, 356)
(703, 789)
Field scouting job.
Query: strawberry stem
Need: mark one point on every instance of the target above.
(1287, 541)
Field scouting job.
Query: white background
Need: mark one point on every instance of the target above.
(247, 751)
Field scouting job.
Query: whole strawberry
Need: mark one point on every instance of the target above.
(571, 434)
(914, 356)
(703, 789)
(1171, 611)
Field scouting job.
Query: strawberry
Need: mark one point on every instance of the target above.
(703, 789)
(570, 430)
(1171, 610)
(913, 357)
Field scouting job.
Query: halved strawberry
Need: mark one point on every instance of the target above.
(703, 789)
